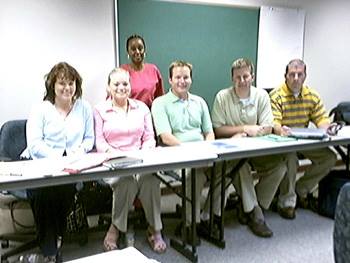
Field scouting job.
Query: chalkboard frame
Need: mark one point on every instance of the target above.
(208, 36)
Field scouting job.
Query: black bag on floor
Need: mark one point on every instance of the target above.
(77, 224)
(328, 190)
(97, 197)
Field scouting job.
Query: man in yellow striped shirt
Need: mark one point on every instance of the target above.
(296, 105)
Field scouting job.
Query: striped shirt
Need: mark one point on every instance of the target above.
(297, 111)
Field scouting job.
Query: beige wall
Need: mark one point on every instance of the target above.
(36, 34)
(326, 49)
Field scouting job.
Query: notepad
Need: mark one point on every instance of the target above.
(92, 160)
(122, 162)
(84, 162)
(308, 133)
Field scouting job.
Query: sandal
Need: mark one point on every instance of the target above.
(111, 239)
(156, 242)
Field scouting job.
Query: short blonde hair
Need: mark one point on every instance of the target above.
(117, 70)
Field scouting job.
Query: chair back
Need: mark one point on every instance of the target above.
(12, 139)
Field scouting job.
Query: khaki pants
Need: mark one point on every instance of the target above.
(322, 162)
(217, 189)
(125, 189)
(271, 170)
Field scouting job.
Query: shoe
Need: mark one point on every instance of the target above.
(178, 233)
(286, 212)
(259, 228)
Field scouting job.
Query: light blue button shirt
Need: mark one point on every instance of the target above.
(50, 135)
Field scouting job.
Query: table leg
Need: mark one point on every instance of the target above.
(180, 246)
(211, 236)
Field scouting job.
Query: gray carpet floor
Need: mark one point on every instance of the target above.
(308, 238)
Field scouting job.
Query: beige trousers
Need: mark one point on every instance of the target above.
(217, 189)
(270, 169)
(322, 162)
(125, 189)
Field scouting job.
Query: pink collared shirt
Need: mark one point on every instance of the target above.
(123, 131)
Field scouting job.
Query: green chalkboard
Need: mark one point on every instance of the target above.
(209, 37)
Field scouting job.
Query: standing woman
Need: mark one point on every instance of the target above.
(145, 78)
(60, 125)
(124, 124)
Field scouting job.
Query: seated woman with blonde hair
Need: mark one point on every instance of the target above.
(124, 124)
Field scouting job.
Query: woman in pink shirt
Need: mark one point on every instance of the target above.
(145, 78)
(123, 124)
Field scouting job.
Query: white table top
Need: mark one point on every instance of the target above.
(47, 172)
(129, 254)
(236, 148)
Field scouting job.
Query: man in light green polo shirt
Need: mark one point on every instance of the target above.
(180, 117)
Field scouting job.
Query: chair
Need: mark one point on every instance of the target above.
(341, 116)
(341, 235)
(12, 143)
